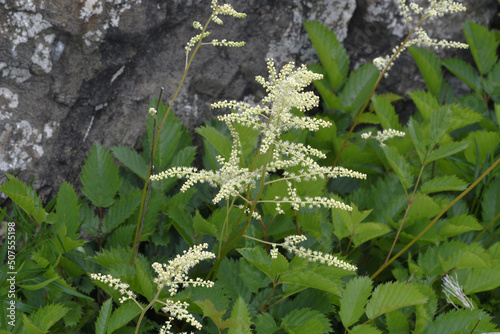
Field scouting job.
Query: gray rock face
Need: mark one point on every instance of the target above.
(80, 71)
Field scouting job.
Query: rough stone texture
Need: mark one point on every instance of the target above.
(76, 72)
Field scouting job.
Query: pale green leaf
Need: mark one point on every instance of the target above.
(259, 258)
(397, 323)
(265, 324)
(460, 224)
(391, 296)
(490, 203)
(426, 103)
(354, 298)
(202, 226)
(368, 231)
(331, 100)
(456, 322)
(47, 316)
(482, 279)
(443, 183)
(24, 197)
(241, 318)
(440, 121)
(364, 329)
(482, 143)
(462, 116)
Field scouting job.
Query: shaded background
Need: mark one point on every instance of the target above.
(77, 72)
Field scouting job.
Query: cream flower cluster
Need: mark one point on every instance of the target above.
(290, 245)
(382, 136)
(116, 284)
(174, 274)
(217, 10)
(272, 118)
(436, 8)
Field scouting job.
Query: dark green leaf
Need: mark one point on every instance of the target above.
(397, 323)
(121, 210)
(265, 324)
(332, 54)
(465, 72)
(221, 143)
(67, 209)
(430, 67)
(443, 183)
(326, 92)
(132, 160)
(100, 177)
(385, 112)
(446, 150)
(123, 315)
(102, 321)
(400, 166)
(305, 320)
(47, 316)
(358, 87)
(483, 45)
(417, 136)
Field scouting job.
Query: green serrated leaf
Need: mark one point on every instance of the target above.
(358, 87)
(483, 45)
(122, 316)
(265, 324)
(443, 183)
(132, 160)
(144, 279)
(305, 320)
(72, 318)
(102, 321)
(400, 166)
(391, 296)
(465, 72)
(67, 209)
(100, 177)
(364, 329)
(397, 323)
(446, 150)
(440, 121)
(326, 92)
(426, 103)
(24, 197)
(462, 116)
(430, 67)
(385, 112)
(456, 321)
(481, 279)
(259, 258)
(202, 226)
(482, 143)
(491, 200)
(460, 224)
(221, 143)
(418, 139)
(369, 231)
(121, 209)
(321, 277)
(332, 54)
(47, 316)
(354, 298)
(241, 317)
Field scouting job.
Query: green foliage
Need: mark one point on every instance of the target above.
(428, 208)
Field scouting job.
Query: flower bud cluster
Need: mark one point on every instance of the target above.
(174, 274)
(116, 284)
(225, 9)
(382, 136)
(178, 310)
(436, 8)
(313, 256)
